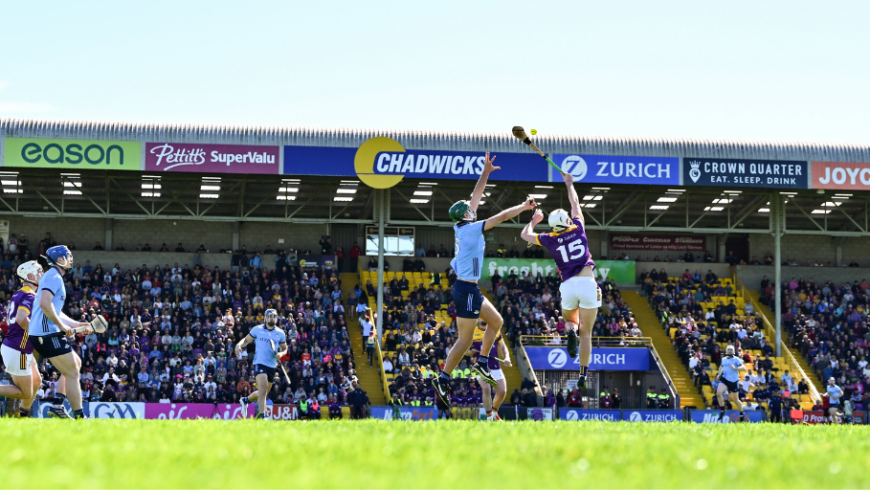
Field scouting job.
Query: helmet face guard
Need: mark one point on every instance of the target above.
(60, 256)
(271, 314)
(559, 220)
(30, 271)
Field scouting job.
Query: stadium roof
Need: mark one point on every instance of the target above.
(434, 140)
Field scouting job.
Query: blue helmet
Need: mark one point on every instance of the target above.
(59, 255)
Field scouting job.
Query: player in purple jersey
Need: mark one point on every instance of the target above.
(17, 351)
(581, 296)
(499, 350)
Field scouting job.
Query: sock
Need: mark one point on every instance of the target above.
(482, 359)
(489, 413)
(583, 370)
(444, 375)
(24, 412)
(78, 413)
(245, 400)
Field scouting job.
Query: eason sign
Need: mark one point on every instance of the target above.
(72, 154)
(841, 176)
(225, 159)
(603, 359)
(619, 271)
(671, 243)
(784, 174)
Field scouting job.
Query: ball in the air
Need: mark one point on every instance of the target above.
(534, 132)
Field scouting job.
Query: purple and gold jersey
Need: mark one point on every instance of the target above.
(17, 337)
(493, 353)
(570, 249)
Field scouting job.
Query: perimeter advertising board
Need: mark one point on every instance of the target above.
(719, 172)
(603, 359)
(72, 154)
(222, 159)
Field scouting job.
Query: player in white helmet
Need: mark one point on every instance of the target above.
(581, 296)
(17, 350)
(729, 375)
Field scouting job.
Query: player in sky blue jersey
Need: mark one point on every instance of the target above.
(729, 376)
(581, 296)
(270, 346)
(834, 393)
(469, 301)
(50, 330)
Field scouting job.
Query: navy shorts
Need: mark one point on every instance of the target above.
(731, 385)
(51, 345)
(468, 299)
(261, 369)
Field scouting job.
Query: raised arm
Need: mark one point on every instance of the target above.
(528, 232)
(243, 343)
(573, 198)
(509, 213)
(477, 194)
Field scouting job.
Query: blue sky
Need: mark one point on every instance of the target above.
(738, 70)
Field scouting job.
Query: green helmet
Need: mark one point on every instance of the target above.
(458, 210)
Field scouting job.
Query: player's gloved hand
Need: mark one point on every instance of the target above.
(530, 203)
(88, 328)
(507, 362)
(538, 216)
(569, 179)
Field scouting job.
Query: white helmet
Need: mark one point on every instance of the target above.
(559, 220)
(29, 271)
(729, 350)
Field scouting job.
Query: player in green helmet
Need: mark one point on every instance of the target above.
(469, 301)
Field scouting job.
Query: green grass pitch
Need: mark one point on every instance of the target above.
(452, 454)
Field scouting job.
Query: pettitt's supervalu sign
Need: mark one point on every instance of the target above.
(785, 174)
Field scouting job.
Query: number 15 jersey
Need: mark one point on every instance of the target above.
(570, 249)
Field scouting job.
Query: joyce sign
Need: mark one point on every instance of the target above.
(745, 173)
(603, 359)
(841, 176)
(226, 159)
(611, 169)
(72, 154)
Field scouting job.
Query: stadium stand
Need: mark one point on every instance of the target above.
(703, 314)
(172, 330)
(826, 322)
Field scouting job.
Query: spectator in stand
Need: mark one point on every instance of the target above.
(421, 251)
(431, 252)
(98, 246)
(179, 248)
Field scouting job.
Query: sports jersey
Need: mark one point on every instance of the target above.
(16, 336)
(469, 250)
(729, 374)
(493, 353)
(569, 248)
(834, 394)
(51, 281)
(264, 354)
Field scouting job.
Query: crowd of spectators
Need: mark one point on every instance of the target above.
(827, 322)
(172, 329)
(682, 304)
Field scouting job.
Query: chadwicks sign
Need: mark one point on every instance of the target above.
(745, 173)
(72, 154)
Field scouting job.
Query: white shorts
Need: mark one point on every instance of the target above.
(17, 363)
(580, 292)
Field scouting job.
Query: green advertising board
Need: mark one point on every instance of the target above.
(72, 154)
(619, 271)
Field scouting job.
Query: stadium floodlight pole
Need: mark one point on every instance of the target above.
(776, 216)
(382, 210)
